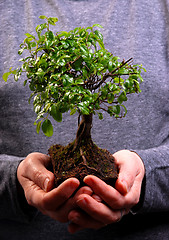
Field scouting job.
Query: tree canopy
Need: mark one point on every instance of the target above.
(73, 71)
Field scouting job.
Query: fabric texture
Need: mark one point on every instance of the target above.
(138, 29)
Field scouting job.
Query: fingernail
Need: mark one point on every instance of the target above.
(88, 180)
(125, 186)
(97, 198)
(46, 183)
(82, 201)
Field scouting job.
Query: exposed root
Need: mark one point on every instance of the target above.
(90, 168)
(83, 157)
(84, 164)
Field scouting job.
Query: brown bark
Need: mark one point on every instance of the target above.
(84, 129)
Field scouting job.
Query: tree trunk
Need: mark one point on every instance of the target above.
(82, 157)
(84, 129)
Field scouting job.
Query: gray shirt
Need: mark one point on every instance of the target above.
(138, 29)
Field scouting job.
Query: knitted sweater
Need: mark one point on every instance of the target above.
(133, 28)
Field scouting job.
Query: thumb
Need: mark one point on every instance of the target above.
(122, 186)
(128, 170)
(43, 177)
(34, 169)
(48, 182)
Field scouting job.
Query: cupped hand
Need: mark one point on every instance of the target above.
(38, 185)
(107, 205)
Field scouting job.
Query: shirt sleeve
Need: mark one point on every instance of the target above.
(11, 205)
(155, 190)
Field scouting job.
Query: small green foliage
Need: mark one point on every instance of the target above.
(73, 71)
(47, 128)
(55, 113)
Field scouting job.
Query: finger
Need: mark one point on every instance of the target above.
(98, 211)
(61, 213)
(80, 220)
(107, 193)
(58, 196)
(132, 198)
(50, 201)
(111, 196)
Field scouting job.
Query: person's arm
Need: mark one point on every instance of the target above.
(156, 162)
(10, 207)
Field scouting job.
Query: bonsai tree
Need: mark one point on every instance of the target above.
(72, 71)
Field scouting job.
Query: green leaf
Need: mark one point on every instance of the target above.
(82, 33)
(110, 98)
(97, 106)
(143, 69)
(17, 74)
(79, 81)
(50, 36)
(25, 82)
(40, 72)
(64, 107)
(42, 17)
(63, 34)
(37, 109)
(84, 110)
(65, 44)
(56, 114)
(21, 51)
(125, 109)
(40, 27)
(85, 72)
(110, 66)
(116, 109)
(29, 35)
(99, 35)
(44, 95)
(48, 43)
(122, 98)
(123, 71)
(15, 71)
(97, 25)
(52, 20)
(84, 50)
(38, 127)
(33, 44)
(139, 76)
(5, 76)
(73, 111)
(47, 128)
(100, 116)
(104, 92)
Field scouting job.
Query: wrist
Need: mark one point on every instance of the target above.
(135, 209)
(24, 206)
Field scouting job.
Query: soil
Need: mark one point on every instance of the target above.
(81, 160)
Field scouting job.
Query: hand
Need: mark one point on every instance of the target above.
(107, 204)
(37, 183)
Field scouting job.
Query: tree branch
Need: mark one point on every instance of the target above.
(111, 74)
